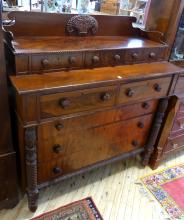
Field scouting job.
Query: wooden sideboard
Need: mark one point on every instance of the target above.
(8, 174)
(85, 95)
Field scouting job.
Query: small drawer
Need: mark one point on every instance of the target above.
(174, 144)
(144, 90)
(112, 58)
(140, 55)
(50, 62)
(54, 143)
(82, 100)
(93, 59)
(134, 56)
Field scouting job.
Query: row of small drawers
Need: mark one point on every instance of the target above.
(57, 104)
(66, 150)
(75, 60)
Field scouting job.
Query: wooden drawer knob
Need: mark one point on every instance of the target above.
(135, 143)
(64, 103)
(140, 124)
(152, 55)
(105, 96)
(157, 87)
(57, 148)
(117, 58)
(96, 59)
(130, 92)
(57, 170)
(59, 126)
(134, 55)
(45, 62)
(72, 60)
(145, 105)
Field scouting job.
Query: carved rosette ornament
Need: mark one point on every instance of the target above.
(31, 167)
(82, 25)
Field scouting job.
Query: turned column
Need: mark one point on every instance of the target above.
(31, 167)
(162, 107)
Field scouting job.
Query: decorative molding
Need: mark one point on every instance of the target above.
(82, 25)
(31, 167)
(162, 107)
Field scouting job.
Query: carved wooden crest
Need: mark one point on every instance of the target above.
(82, 25)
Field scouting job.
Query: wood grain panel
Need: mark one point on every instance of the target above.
(66, 103)
(143, 90)
(80, 149)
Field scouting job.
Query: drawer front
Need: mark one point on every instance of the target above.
(71, 102)
(144, 55)
(144, 90)
(87, 147)
(53, 137)
(50, 62)
(174, 144)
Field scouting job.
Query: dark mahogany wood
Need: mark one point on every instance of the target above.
(92, 45)
(31, 167)
(8, 174)
(70, 121)
(162, 107)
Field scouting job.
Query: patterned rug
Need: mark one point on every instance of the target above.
(167, 187)
(84, 209)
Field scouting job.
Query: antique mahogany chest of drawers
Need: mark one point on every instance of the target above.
(84, 95)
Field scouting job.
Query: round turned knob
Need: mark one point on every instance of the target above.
(130, 92)
(134, 55)
(57, 148)
(152, 55)
(64, 103)
(105, 96)
(117, 58)
(145, 105)
(96, 59)
(157, 87)
(72, 60)
(140, 124)
(45, 62)
(57, 170)
(135, 143)
(59, 126)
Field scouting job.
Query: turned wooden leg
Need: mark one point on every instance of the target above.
(31, 167)
(162, 107)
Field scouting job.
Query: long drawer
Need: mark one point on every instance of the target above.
(143, 90)
(80, 100)
(78, 149)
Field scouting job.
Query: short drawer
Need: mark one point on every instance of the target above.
(110, 139)
(50, 62)
(81, 100)
(144, 90)
(174, 144)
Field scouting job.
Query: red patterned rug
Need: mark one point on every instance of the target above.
(84, 209)
(167, 187)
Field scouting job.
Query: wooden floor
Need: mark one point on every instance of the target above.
(114, 189)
